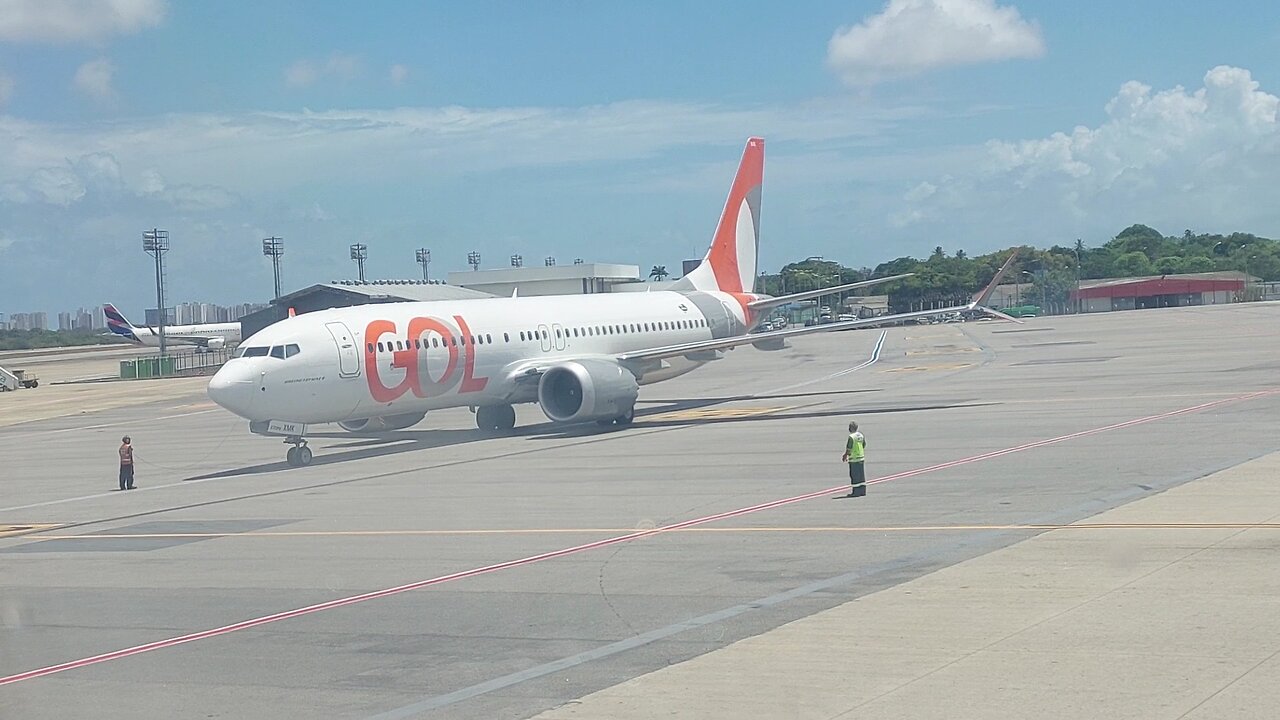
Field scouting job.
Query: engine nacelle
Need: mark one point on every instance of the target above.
(584, 390)
(217, 343)
(382, 423)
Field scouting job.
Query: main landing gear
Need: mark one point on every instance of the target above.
(495, 418)
(299, 455)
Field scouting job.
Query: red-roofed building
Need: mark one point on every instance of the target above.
(1212, 288)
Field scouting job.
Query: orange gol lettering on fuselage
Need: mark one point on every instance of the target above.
(417, 377)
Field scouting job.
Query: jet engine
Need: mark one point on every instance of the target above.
(583, 390)
(382, 423)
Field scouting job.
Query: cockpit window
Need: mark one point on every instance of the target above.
(255, 352)
(277, 351)
(291, 350)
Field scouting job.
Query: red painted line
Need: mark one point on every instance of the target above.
(342, 602)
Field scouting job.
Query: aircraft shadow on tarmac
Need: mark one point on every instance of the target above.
(361, 447)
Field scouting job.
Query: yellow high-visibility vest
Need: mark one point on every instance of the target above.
(856, 447)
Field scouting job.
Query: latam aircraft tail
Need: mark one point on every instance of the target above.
(118, 324)
(730, 264)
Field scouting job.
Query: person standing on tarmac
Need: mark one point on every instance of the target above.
(855, 453)
(126, 463)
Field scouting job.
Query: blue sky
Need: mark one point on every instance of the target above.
(608, 131)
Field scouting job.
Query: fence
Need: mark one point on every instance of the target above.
(174, 364)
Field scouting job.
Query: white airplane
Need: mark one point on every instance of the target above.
(211, 336)
(580, 357)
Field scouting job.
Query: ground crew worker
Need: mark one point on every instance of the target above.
(126, 463)
(855, 453)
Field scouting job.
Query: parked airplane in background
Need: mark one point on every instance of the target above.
(580, 357)
(211, 336)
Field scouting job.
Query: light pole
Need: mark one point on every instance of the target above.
(423, 256)
(273, 247)
(360, 253)
(1017, 286)
(473, 259)
(1077, 251)
(156, 243)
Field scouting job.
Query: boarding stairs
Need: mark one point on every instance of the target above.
(9, 381)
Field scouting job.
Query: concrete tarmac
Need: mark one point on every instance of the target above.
(435, 572)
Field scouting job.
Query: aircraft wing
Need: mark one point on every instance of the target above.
(978, 303)
(201, 340)
(658, 353)
(763, 303)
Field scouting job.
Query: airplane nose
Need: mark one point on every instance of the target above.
(233, 387)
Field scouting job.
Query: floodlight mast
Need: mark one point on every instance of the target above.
(359, 253)
(423, 256)
(156, 243)
(273, 247)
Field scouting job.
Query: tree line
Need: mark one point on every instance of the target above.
(944, 279)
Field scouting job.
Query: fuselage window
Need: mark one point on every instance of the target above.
(369, 347)
(506, 337)
(453, 341)
(379, 347)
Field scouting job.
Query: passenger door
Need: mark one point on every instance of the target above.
(348, 353)
(560, 337)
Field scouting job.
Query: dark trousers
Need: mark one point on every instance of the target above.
(126, 477)
(858, 478)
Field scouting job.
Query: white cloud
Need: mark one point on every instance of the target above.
(301, 73)
(76, 20)
(6, 87)
(399, 73)
(1208, 158)
(339, 66)
(911, 36)
(94, 79)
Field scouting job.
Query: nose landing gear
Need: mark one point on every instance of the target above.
(299, 455)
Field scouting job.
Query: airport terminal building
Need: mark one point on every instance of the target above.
(581, 278)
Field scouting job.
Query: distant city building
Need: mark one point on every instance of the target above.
(152, 316)
(28, 321)
(65, 322)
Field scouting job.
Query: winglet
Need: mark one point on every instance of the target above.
(984, 296)
(980, 300)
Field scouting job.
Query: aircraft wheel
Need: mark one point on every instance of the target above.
(304, 456)
(291, 457)
(495, 418)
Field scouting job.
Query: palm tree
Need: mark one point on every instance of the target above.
(659, 273)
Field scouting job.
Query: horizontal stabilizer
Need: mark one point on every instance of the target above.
(776, 301)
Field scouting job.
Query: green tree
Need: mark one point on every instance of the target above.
(659, 273)
(1132, 264)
